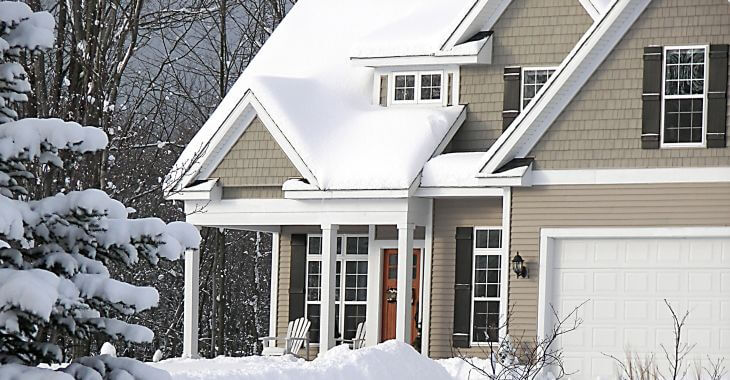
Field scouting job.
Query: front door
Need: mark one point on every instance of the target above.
(390, 293)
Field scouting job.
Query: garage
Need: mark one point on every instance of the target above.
(622, 277)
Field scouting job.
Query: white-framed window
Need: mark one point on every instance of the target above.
(533, 80)
(418, 87)
(488, 289)
(684, 96)
(350, 289)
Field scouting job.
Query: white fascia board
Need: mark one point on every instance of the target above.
(630, 176)
(595, 45)
(345, 194)
(591, 9)
(209, 190)
(458, 192)
(272, 212)
(482, 16)
(226, 135)
(484, 57)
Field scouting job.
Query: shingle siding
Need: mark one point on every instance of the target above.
(255, 167)
(447, 215)
(601, 127)
(529, 33)
(665, 205)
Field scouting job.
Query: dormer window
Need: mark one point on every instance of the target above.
(417, 87)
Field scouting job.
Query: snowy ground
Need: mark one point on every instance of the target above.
(389, 360)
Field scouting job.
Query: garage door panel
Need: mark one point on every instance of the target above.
(625, 282)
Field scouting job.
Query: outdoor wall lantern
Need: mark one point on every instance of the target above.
(519, 267)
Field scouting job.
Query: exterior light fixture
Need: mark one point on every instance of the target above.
(519, 267)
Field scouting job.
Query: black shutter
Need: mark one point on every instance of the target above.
(298, 274)
(462, 287)
(717, 97)
(512, 90)
(651, 115)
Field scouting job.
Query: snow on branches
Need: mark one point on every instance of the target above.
(54, 251)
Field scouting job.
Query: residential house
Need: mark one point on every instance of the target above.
(404, 153)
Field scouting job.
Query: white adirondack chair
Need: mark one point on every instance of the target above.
(297, 334)
(358, 341)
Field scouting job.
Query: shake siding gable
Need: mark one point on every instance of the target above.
(665, 205)
(602, 126)
(529, 33)
(255, 167)
(447, 215)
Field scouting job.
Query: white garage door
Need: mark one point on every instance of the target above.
(625, 281)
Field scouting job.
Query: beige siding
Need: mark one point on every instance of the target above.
(601, 206)
(529, 33)
(447, 215)
(255, 167)
(601, 128)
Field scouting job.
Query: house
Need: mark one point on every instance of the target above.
(404, 153)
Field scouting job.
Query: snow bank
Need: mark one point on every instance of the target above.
(390, 360)
(21, 372)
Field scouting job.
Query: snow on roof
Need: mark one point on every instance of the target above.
(452, 170)
(412, 28)
(323, 105)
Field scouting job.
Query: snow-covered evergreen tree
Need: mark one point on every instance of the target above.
(54, 251)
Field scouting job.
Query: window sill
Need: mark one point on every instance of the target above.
(682, 145)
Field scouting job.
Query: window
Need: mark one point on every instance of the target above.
(418, 87)
(487, 290)
(533, 80)
(405, 88)
(430, 87)
(684, 95)
(350, 289)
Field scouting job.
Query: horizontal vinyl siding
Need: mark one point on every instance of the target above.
(601, 127)
(675, 205)
(447, 215)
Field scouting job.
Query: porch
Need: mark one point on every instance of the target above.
(335, 263)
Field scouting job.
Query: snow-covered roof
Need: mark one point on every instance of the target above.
(322, 104)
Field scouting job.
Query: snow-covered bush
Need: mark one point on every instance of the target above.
(54, 251)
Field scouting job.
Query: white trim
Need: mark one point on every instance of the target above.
(345, 194)
(592, 10)
(457, 192)
(506, 236)
(404, 312)
(274, 306)
(483, 57)
(225, 136)
(417, 74)
(481, 16)
(575, 70)
(702, 96)
(502, 285)
(375, 291)
(426, 279)
(630, 176)
(547, 248)
(191, 304)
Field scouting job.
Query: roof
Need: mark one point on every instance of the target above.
(321, 103)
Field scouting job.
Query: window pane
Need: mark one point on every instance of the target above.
(683, 120)
(362, 245)
(314, 280)
(339, 245)
(315, 245)
(495, 238)
(338, 279)
(313, 316)
(351, 245)
(486, 321)
(356, 280)
(431, 87)
(354, 315)
(405, 87)
(532, 82)
(482, 238)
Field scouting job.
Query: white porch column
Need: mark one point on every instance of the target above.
(405, 283)
(190, 318)
(329, 266)
(274, 308)
(375, 282)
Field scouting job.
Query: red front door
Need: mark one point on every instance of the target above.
(390, 293)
